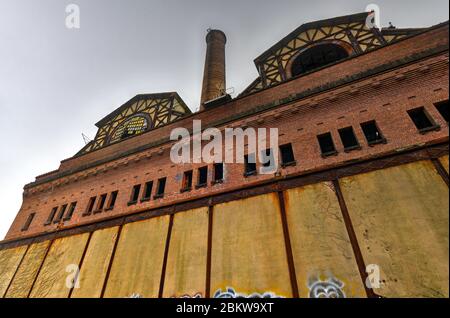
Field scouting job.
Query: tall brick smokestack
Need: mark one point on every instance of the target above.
(214, 84)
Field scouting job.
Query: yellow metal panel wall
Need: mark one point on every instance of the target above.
(186, 262)
(444, 162)
(9, 261)
(320, 243)
(26, 274)
(95, 264)
(63, 256)
(400, 216)
(137, 264)
(248, 249)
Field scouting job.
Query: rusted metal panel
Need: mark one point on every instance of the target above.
(9, 262)
(60, 264)
(321, 246)
(248, 248)
(95, 264)
(28, 269)
(186, 263)
(137, 264)
(401, 220)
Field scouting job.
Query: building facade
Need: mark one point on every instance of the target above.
(360, 194)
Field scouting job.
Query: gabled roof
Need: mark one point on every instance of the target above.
(166, 95)
(351, 32)
(358, 17)
(155, 110)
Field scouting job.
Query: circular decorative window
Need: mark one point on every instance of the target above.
(133, 126)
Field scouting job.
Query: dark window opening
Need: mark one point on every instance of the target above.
(70, 212)
(60, 214)
(422, 120)
(218, 173)
(161, 188)
(287, 155)
(318, 56)
(51, 216)
(202, 177)
(27, 224)
(349, 139)
(326, 145)
(250, 164)
(135, 194)
(90, 206)
(101, 203)
(372, 133)
(148, 188)
(187, 181)
(268, 159)
(112, 200)
(442, 108)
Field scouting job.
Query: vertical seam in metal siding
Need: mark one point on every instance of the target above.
(15, 272)
(353, 239)
(166, 254)
(81, 263)
(40, 268)
(288, 246)
(440, 170)
(111, 260)
(209, 252)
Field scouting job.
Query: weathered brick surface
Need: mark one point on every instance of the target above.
(394, 52)
(348, 105)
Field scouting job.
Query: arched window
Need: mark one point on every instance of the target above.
(133, 126)
(317, 56)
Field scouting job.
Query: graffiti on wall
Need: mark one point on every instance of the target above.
(198, 295)
(329, 288)
(227, 293)
(231, 293)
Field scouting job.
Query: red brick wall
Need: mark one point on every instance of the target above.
(387, 103)
(359, 64)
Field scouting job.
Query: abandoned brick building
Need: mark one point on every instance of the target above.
(361, 188)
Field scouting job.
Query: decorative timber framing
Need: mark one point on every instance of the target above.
(350, 32)
(153, 110)
(347, 31)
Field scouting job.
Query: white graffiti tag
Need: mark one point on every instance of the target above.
(330, 288)
(231, 293)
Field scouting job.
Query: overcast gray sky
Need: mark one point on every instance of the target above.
(56, 83)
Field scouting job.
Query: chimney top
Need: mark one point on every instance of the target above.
(214, 34)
